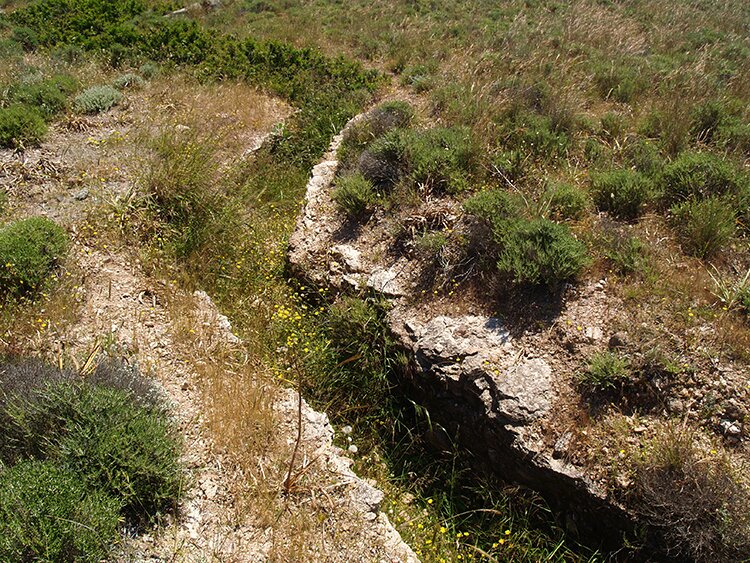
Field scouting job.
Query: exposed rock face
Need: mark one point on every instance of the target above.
(492, 390)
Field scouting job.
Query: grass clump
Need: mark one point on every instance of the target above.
(49, 97)
(537, 135)
(693, 499)
(704, 226)
(97, 99)
(355, 196)
(628, 255)
(47, 513)
(21, 125)
(605, 371)
(622, 193)
(30, 249)
(384, 118)
(618, 82)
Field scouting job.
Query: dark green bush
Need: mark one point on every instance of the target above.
(613, 126)
(49, 96)
(355, 195)
(706, 120)
(383, 162)
(644, 156)
(622, 193)
(538, 251)
(29, 251)
(115, 440)
(495, 206)
(704, 226)
(378, 122)
(606, 370)
(48, 514)
(21, 125)
(701, 175)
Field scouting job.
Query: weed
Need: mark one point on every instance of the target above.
(693, 498)
(355, 195)
(49, 97)
(644, 156)
(733, 293)
(613, 126)
(30, 249)
(536, 134)
(704, 226)
(149, 70)
(623, 193)
(47, 513)
(618, 82)
(606, 370)
(21, 125)
(97, 99)
(377, 122)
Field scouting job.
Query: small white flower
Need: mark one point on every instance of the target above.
(352, 449)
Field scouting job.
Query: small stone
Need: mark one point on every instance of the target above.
(618, 340)
(346, 430)
(639, 429)
(352, 449)
(561, 445)
(83, 194)
(676, 405)
(731, 428)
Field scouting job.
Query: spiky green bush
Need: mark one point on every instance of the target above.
(605, 370)
(700, 175)
(622, 193)
(566, 201)
(704, 226)
(354, 195)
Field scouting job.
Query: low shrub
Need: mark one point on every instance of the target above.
(29, 251)
(128, 81)
(622, 193)
(605, 370)
(355, 196)
(644, 157)
(538, 251)
(706, 119)
(701, 175)
(114, 438)
(97, 99)
(47, 513)
(566, 201)
(21, 125)
(149, 70)
(495, 206)
(383, 162)
(704, 226)
(695, 501)
(49, 97)
(378, 122)
(613, 126)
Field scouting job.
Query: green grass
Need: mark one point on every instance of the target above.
(97, 99)
(605, 371)
(704, 226)
(622, 193)
(21, 126)
(355, 195)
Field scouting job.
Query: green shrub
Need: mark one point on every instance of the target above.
(355, 195)
(706, 119)
(735, 135)
(21, 125)
(613, 126)
(701, 175)
(605, 370)
(29, 251)
(128, 81)
(383, 162)
(97, 99)
(495, 206)
(628, 255)
(566, 201)
(704, 226)
(441, 158)
(696, 502)
(48, 513)
(378, 122)
(539, 251)
(509, 165)
(622, 193)
(114, 444)
(50, 96)
(26, 37)
(644, 156)
(670, 126)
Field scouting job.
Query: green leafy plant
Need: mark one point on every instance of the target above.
(97, 99)
(623, 193)
(21, 125)
(30, 249)
(629, 255)
(566, 201)
(47, 513)
(605, 370)
(355, 195)
(49, 97)
(129, 81)
(704, 226)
